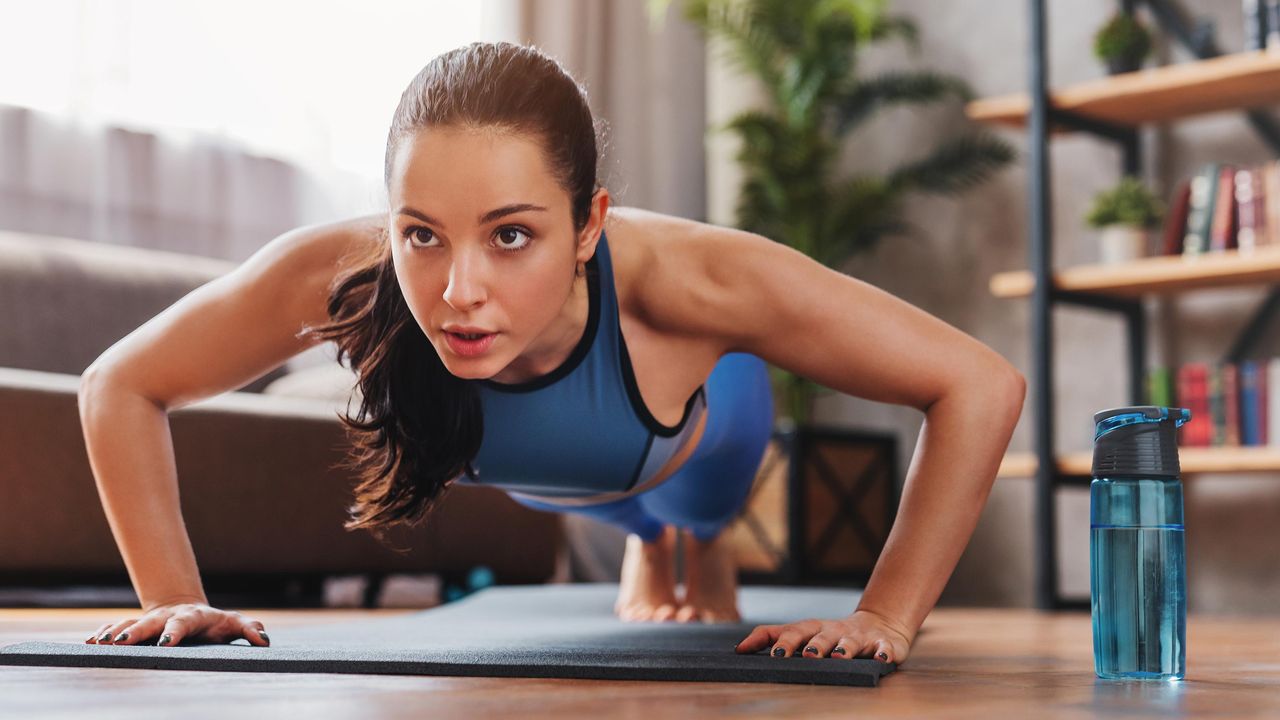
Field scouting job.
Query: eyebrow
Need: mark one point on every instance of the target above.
(485, 218)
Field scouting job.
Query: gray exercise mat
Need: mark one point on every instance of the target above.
(564, 631)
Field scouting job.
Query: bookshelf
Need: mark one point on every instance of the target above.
(1192, 460)
(1115, 108)
(1172, 92)
(1153, 275)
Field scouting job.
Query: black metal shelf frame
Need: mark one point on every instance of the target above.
(1048, 478)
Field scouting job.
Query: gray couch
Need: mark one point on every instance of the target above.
(262, 500)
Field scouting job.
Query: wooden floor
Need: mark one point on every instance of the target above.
(967, 663)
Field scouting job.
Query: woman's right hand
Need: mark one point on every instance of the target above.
(174, 622)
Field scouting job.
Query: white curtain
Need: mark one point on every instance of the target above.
(208, 128)
(647, 81)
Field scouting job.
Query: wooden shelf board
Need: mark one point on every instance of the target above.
(1163, 274)
(1227, 82)
(1192, 460)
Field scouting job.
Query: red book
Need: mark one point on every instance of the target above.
(1192, 395)
(1222, 230)
(1175, 226)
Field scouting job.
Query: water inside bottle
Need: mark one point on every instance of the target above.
(1137, 583)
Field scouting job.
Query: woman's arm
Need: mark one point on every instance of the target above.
(218, 337)
(961, 443)
(765, 298)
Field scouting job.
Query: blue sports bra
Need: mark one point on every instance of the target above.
(582, 429)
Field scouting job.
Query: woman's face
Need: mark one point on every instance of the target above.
(482, 236)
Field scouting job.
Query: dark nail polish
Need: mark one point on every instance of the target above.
(165, 639)
(838, 651)
(122, 637)
(811, 649)
(105, 637)
(883, 656)
(779, 652)
(263, 634)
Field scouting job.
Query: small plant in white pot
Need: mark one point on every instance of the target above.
(1125, 215)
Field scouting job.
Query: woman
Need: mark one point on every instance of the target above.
(511, 329)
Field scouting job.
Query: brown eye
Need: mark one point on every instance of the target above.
(517, 231)
(413, 233)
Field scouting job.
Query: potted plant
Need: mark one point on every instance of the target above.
(1123, 43)
(825, 497)
(804, 53)
(1125, 214)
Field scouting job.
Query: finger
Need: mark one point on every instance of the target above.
(851, 647)
(256, 634)
(883, 651)
(122, 633)
(147, 629)
(687, 614)
(821, 645)
(109, 633)
(93, 639)
(792, 639)
(175, 629)
(761, 636)
(845, 649)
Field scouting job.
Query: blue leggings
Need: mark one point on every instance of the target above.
(709, 490)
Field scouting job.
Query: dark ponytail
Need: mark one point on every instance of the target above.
(419, 426)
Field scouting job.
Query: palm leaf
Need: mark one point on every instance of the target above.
(956, 165)
(889, 88)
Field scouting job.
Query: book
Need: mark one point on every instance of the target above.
(1261, 233)
(1222, 229)
(1251, 409)
(1192, 384)
(1271, 200)
(1264, 403)
(1230, 386)
(1160, 387)
(1247, 207)
(1175, 224)
(1272, 401)
(1204, 186)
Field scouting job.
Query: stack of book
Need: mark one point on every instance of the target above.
(1229, 402)
(1224, 207)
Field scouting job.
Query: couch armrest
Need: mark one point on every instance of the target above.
(259, 490)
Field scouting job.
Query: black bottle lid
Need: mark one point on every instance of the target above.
(1141, 441)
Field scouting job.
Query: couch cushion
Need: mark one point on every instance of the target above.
(65, 301)
(331, 382)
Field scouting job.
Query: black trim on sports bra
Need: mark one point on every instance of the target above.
(579, 351)
(637, 402)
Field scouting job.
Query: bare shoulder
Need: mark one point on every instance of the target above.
(675, 268)
(312, 256)
(334, 246)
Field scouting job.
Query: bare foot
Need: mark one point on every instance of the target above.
(711, 581)
(647, 590)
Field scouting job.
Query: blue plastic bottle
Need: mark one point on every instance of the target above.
(1137, 559)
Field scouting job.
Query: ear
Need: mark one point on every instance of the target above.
(590, 234)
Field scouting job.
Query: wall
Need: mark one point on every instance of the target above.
(1230, 518)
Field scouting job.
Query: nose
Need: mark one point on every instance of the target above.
(466, 282)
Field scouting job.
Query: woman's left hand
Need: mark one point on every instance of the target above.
(862, 634)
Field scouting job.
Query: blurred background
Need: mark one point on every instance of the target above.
(147, 147)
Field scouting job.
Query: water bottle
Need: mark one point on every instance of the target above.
(1137, 561)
